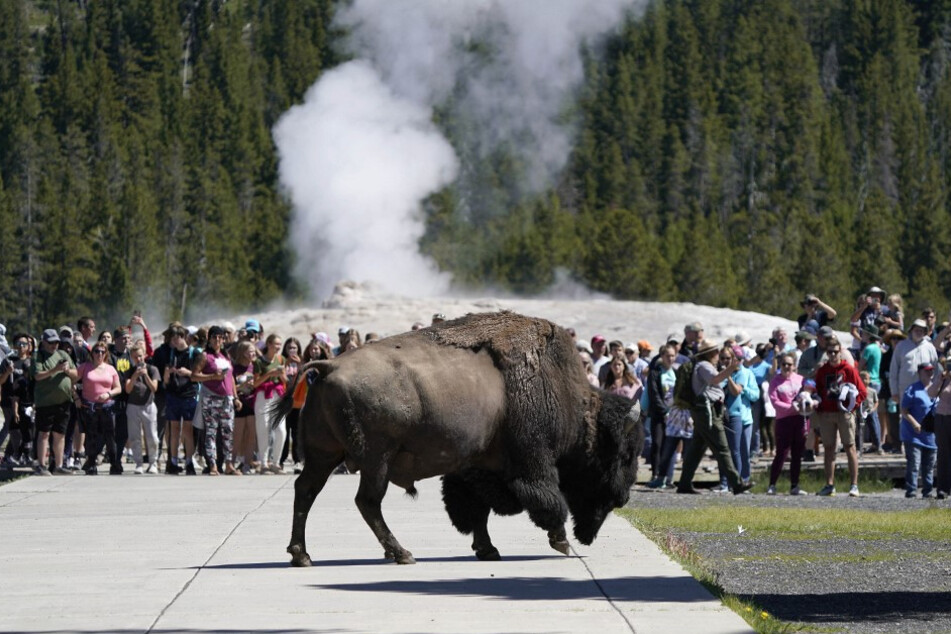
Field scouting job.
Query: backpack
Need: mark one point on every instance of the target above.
(684, 396)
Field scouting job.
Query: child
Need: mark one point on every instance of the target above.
(806, 401)
(868, 407)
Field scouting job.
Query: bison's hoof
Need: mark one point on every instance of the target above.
(489, 554)
(299, 558)
(561, 546)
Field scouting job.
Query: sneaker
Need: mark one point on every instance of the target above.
(10, 462)
(927, 496)
(720, 489)
(60, 471)
(942, 495)
(297, 467)
(809, 456)
(669, 485)
(153, 469)
(190, 468)
(276, 469)
(93, 470)
(911, 494)
(172, 469)
(797, 491)
(827, 490)
(139, 470)
(771, 490)
(854, 491)
(40, 470)
(115, 469)
(656, 483)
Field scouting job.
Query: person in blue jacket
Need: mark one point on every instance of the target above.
(741, 391)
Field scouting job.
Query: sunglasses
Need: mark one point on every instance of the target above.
(98, 351)
(788, 365)
(23, 344)
(833, 350)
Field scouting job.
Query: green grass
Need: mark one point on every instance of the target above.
(931, 523)
(813, 480)
(782, 524)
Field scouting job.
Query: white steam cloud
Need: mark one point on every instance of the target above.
(361, 153)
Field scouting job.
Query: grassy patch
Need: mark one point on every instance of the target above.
(813, 480)
(931, 523)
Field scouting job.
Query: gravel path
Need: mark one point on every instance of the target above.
(884, 585)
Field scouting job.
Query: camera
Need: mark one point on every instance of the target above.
(773, 342)
(141, 366)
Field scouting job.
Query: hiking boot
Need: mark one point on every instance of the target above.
(827, 490)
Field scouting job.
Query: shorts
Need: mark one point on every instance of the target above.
(53, 418)
(828, 423)
(178, 409)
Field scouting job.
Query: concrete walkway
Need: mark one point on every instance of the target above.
(200, 554)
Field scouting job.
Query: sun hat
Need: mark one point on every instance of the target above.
(705, 349)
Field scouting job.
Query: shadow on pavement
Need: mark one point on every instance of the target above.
(653, 589)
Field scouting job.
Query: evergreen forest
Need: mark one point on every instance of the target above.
(735, 153)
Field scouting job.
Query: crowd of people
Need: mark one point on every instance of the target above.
(792, 399)
(73, 401)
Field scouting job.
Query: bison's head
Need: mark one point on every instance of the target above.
(601, 481)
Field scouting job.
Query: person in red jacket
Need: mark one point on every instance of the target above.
(841, 391)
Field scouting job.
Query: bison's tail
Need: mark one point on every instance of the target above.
(280, 409)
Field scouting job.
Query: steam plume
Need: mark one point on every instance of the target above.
(361, 153)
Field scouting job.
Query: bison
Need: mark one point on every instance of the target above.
(495, 403)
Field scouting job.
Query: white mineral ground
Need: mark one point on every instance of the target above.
(369, 309)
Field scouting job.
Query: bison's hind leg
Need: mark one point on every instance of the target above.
(311, 481)
(373, 485)
(469, 513)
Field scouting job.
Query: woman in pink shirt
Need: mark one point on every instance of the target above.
(791, 427)
(100, 386)
(214, 371)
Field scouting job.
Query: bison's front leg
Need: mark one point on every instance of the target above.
(559, 540)
(373, 484)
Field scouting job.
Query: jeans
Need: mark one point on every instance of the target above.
(923, 459)
(738, 437)
(665, 467)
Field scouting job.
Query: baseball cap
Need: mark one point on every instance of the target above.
(343, 330)
(925, 366)
(644, 344)
(826, 331)
(252, 325)
(694, 326)
(597, 338)
(50, 336)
